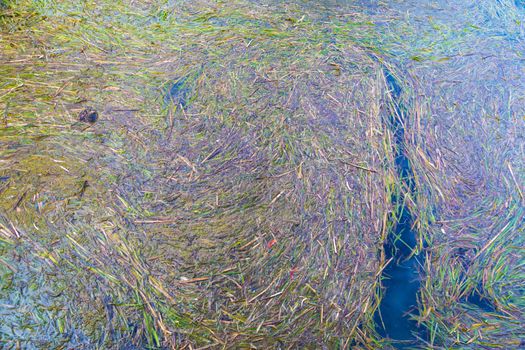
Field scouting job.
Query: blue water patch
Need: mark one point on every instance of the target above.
(476, 298)
(401, 283)
(393, 86)
(177, 93)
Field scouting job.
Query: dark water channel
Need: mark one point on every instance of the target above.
(401, 279)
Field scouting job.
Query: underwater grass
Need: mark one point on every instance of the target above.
(214, 217)
(236, 191)
(466, 151)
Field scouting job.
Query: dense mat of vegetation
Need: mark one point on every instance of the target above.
(232, 192)
(237, 188)
(468, 140)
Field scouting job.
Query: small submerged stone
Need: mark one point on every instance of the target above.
(88, 115)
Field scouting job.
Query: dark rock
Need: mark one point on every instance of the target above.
(88, 115)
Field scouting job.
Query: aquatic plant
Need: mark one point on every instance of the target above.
(239, 184)
(246, 209)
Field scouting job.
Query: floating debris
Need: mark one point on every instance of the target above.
(88, 115)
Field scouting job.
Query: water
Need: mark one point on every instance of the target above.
(401, 280)
(476, 298)
(454, 74)
(177, 93)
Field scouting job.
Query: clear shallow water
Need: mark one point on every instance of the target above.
(457, 131)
